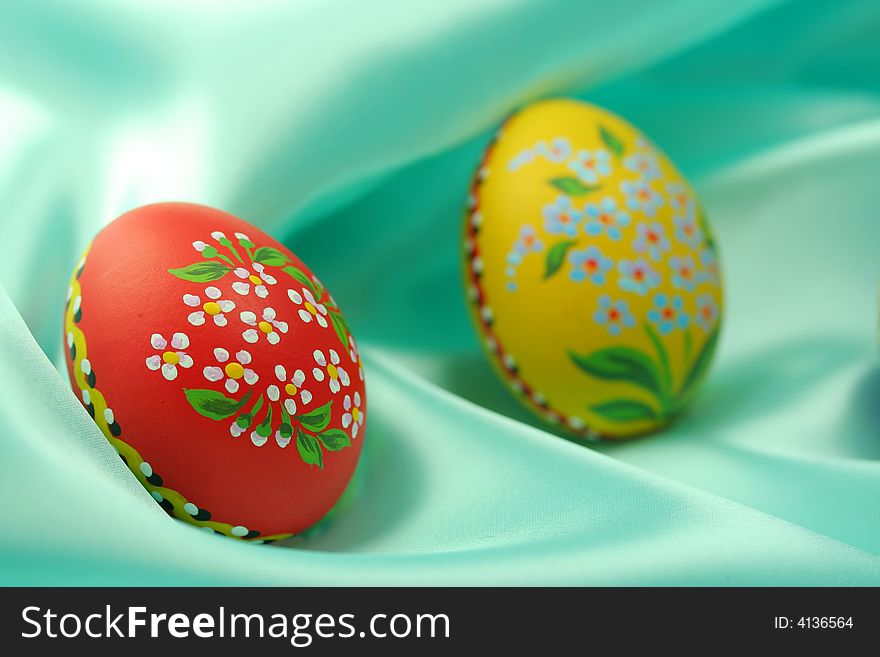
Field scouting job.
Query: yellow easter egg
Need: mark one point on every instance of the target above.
(591, 271)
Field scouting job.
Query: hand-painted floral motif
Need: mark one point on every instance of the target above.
(269, 325)
(213, 307)
(235, 429)
(558, 150)
(355, 356)
(589, 264)
(225, 245)
(353, 416)
(684, 272)
(614, 315)
(233, 371)
(207, 378)
(707, 312)
(311, 309)
(528, 242)
(641, 197)
(686, 229)
(589, 166)
(605, 217)
(170, 359)
(258, 438)
(668, 314)
(644, 233)
(291, 388)
(265, 263)
(637, 276)
(678, 195)
(335, 374)
(257, 272)
(651, 239)
(259, 278)
(709, 262)
(645, 164)
(561, 217)
(282, 440)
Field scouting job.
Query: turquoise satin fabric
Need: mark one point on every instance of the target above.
(349, 130)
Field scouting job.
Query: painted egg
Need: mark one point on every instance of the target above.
(591, 270)
(219, 367)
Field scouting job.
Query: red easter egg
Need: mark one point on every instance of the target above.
(219, 367)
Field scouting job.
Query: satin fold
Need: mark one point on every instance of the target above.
(350, 131)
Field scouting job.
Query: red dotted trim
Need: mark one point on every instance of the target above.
(477, 297)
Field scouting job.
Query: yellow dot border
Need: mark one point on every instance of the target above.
(132, 457)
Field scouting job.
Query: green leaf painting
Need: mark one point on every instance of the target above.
(317, 419)
(318, 288)
(573, 186)
(270, 257)
(612, 142)
(201, 272)
(213, 404)
(286, 428)
(626, 364)
(265, 427)
(244, 421)
(556, 257)
(339, 326)
(300, 276)
(701, 364)
(309, 449)
(622, 364)
(266, 416)
(662, 356)
(334, 439)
